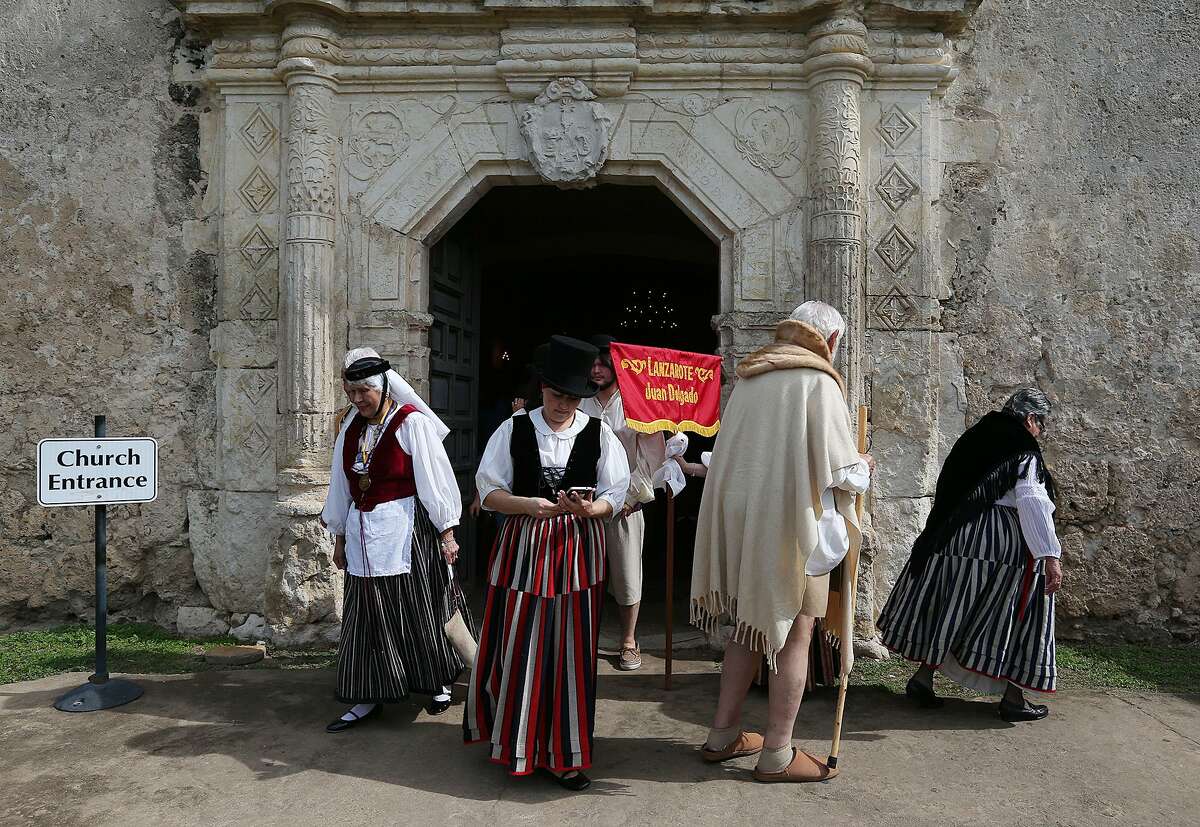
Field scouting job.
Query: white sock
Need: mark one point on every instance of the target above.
(775, 760)
(718, 739)
(444, 695)
(357, 711)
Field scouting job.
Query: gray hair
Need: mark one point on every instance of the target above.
(1028, 401)
(822, 316)
(374, 382)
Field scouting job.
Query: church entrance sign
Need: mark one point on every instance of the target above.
(97, 471)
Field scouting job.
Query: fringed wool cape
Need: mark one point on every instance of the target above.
(784, 434)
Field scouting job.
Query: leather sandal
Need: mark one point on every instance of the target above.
(803, 769)
(746, 743)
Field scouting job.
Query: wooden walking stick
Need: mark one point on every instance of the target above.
(848, 633)
(670, 582)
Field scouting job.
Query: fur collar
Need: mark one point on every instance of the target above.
(796, 345)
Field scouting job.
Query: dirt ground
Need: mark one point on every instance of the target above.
(242, 747)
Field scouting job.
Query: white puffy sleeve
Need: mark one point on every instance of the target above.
(495, 467)
(436, 486)
(612, 473)
(856, 478)
(1035, 510)
(337, 501)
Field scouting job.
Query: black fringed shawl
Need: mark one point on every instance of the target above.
(982, 467)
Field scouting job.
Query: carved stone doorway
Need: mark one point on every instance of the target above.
(616, 259)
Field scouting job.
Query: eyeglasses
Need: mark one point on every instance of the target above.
(1041, 421)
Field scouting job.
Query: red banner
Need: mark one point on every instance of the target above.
(668, 390)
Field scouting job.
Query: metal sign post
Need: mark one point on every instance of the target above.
(101, 691)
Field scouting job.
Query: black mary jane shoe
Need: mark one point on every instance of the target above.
(1026, 711)
(341, 726)
(575, 781)
(922, 694)
(438, 707)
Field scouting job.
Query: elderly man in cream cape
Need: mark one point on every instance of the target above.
(776, 517)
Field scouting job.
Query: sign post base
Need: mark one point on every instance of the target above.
(92, 697)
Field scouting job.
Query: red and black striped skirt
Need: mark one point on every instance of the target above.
(533, 688)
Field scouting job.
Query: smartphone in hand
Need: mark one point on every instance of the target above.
(581, 492)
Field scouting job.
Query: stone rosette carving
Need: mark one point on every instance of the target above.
(258, 132)
(258, 190)
(896, 187)
(895, 249)
(895, 126)
(893, 310)
(567, 132)
(769, 137)
(378, 139)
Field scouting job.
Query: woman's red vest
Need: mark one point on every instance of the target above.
(391, 468)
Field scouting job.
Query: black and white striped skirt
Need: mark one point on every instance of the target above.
(393, 628)
(979, 607)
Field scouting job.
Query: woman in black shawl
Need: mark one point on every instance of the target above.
(976, 598)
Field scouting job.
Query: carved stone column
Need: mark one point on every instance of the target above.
(306, 356)
(302, 583)
(837, 65)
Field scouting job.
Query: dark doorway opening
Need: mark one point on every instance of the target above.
(536, 261)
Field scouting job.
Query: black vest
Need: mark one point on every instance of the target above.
(528, 479)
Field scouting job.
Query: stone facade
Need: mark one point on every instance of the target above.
(308, 154)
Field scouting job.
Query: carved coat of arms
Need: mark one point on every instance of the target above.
(567, 132)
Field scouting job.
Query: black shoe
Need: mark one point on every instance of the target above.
(1014, 713)
(341, 726)
(575, 781)
(438, 707)
(922, 694)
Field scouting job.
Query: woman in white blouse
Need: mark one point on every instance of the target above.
(557, 474)
(392, 507)
(976, 598)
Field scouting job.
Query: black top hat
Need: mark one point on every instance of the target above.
(567, 366)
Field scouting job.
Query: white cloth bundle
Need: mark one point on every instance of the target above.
(670, 474)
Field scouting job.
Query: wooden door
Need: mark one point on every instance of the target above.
(454, 370)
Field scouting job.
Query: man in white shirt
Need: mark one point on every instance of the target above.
(625, 532)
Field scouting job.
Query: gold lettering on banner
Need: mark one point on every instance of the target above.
(667, 370)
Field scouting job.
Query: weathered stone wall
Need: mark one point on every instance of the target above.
(1071, 242)
(1066, 214)
(107, 305)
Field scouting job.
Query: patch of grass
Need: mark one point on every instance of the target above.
(1080, 666)
(132, 647)
(1130, 666)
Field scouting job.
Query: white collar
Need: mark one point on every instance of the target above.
(570, 432)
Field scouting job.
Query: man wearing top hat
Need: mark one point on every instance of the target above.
(624, 534)
(557, 474)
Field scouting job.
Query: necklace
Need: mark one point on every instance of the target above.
(364, 482)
